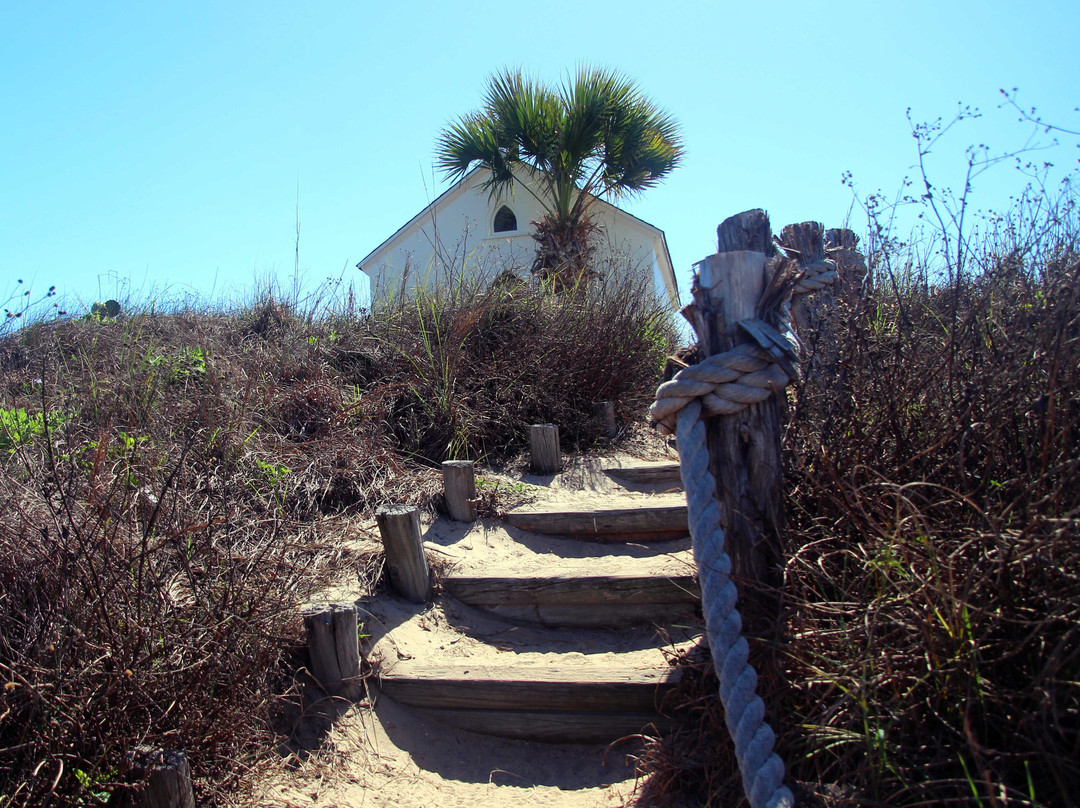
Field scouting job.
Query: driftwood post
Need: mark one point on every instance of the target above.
(459, 488)
(399, 526)
(544, 445)
(731, 468)
(806, 243)
(855, 278)
(333, 643)
(163, 777)
(820, 318)
(604, 412)
(744, 449)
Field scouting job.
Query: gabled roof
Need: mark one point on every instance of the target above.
(454, 190)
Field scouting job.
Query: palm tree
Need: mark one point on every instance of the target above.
(596, 136)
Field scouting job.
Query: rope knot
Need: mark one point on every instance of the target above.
(728, 382)
(815, 276)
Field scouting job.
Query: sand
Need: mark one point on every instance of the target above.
(377, 753)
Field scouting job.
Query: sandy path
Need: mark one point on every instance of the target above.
(378, 753)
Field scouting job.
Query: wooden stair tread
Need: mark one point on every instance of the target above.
(573, 589)
(549, 726)
(646, 473)
(571, 687)
(647, 522)
(526, 687)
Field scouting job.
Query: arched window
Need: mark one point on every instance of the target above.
(505, 220)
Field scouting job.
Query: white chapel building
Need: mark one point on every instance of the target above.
(466, 229)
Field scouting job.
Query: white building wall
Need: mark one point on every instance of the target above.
(457, 237)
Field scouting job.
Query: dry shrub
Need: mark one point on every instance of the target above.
(170, 482)
(465, 369)
(163, 524)
(932, 579)
(695, 763)
(934, 570)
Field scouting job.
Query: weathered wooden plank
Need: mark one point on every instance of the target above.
(333, 645)
(745, 454)
(347, 649)
(665, 521)
(548, 726)
(399, 526)
(655, 473)
(459, 486)
(598, 615)
(544, 445)
(573, 590)
(322, 644)
(596, 688)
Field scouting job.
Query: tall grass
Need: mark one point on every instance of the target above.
(935, 568)
(472, 365)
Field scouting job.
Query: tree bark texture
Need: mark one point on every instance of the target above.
(744, 449)
(823, 319)
(544, 446)
(459, 488)
(809, 313)
(399, 526)
(855, 278)
(334, 646)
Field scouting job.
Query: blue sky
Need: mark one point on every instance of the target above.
(162, 149)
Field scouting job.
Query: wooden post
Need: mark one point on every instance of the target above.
(744, 449)
(334, 646)
(604, 412)
(855, 278)
(399, 526)
(820, 317)
(544, 445)
(815, 330)
(164, 777)
(459, 488)
(807, 242)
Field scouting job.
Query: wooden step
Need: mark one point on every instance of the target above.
(654, 473)
(556, 702)
(547, 726)
(595, 601)
(573, 590)
(655, 523)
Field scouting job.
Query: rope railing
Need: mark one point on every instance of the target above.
(725, 384)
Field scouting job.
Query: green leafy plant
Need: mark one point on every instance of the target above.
(95, 787)
(187, 364)
(273, 477)
(18, 428)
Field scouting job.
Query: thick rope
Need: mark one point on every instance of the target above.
(816, 276)
(762, 770)
(725, 384)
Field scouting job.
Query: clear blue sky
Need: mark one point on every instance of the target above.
(161, 145)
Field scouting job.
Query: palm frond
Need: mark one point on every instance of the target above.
(594, 136)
